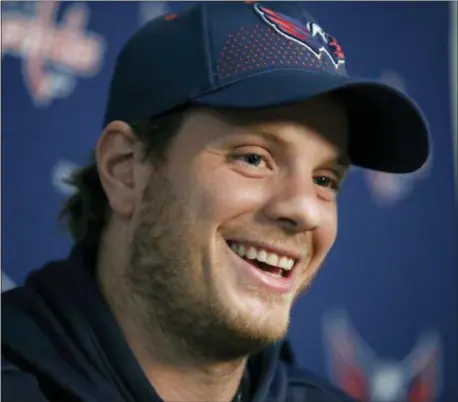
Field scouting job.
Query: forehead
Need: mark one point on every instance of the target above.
(324, 117)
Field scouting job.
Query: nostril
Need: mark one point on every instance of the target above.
(288, 222)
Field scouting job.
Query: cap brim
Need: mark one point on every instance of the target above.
(388, 132)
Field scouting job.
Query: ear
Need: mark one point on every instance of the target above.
(116, 155)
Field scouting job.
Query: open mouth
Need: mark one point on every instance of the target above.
(273, 264)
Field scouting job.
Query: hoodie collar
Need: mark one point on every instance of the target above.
(98, 336)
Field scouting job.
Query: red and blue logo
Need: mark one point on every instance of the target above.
(52, 54)
(309, 35)
(361, 373)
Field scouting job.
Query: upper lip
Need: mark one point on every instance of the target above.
(282, 251)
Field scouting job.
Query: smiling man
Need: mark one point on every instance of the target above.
(209, 206)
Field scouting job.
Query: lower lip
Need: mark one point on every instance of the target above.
(280, 285)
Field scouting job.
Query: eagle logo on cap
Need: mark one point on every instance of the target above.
(310, 35)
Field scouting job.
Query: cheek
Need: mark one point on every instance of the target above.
(230, 195)
(325, 235)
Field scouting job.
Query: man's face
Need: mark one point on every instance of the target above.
(237, 223)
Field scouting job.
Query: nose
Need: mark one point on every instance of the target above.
(294, 205)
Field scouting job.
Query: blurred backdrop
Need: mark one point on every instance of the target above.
(381, 319)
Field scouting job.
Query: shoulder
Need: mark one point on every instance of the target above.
(305, 385)
(40, 360)
(33, 367)
(20, 310)
(18, 385)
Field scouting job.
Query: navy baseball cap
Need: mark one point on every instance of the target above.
(254, 55)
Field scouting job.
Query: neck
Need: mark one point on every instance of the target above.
(196, 383)
(164, 361)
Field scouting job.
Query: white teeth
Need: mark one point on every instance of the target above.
(284, 262)
(241, 251)
(272, 259)
(279, 275)
(290, 264)
(251, 254)
(261, 255)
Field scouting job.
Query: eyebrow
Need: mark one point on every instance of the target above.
(342, 160)
(270, 137)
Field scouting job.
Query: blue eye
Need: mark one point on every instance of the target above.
(251, 159)
(327, 182)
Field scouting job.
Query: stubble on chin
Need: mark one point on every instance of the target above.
(172, 296)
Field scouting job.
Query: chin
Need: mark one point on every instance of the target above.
(269, 332)
(256, 328)
(257, 336)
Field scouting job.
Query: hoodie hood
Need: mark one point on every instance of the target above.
(60, 325)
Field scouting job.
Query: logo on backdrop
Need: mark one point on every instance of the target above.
(61, 174)
(53, 54)
(361, 373)
(387, 189)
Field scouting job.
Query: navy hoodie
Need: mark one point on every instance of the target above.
(60, 342)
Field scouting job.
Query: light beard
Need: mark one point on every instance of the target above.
(176, 300)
